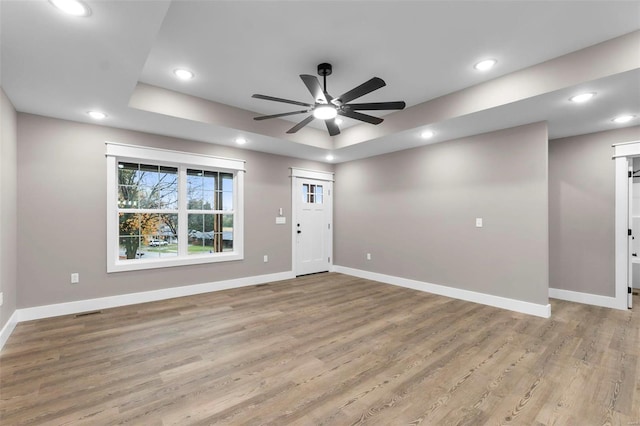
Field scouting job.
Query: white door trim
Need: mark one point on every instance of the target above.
(297, 173)
(622, 154)
(311, 174)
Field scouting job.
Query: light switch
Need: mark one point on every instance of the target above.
(281, 220)
(478, 222)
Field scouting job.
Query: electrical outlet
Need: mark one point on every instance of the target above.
(478, 222)
(266, 258)
(75, 278)
(1, 299)
(368, 256)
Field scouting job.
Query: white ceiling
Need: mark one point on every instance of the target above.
(61, 66)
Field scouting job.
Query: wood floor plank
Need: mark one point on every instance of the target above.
(325, 349)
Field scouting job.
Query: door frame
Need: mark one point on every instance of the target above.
(297, 173)
(623, 157)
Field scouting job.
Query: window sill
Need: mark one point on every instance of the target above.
(142, 264)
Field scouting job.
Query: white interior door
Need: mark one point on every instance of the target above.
(630, 242)
(312, 225)
(623, 157)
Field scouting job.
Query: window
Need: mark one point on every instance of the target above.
(147, 211)
(169, 208)
(209, 211)
(311, 194)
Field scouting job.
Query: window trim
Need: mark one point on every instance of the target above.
(116, 152)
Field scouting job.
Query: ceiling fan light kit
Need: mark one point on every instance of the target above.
(325, 107)
(325, 112)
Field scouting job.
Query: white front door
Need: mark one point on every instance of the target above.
(312, 225)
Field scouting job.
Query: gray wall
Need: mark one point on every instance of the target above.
(62, 211)
(8, 218)
(581, 211)
(415, 211)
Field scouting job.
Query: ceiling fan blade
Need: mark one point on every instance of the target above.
(284, 114)
(329, 97)
(286, 101)
(301, 124)
(332, 127)
(362, 117)
(367, 87)
(376, 106)
(314, 87)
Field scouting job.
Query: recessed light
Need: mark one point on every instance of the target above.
(325, 112)
(623, 118)
(329, 157)
(72, 7)
(427, 134)
(97, 115)
(183, 74)
(485, 65)
(338, 120)
(241, 141)
(582, 97)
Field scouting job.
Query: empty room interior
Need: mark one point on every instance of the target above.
(319, 212)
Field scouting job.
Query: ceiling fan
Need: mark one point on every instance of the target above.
(326, 107)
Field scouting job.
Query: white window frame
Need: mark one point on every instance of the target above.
(116, 152)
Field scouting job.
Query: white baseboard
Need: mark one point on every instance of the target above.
(587, 298)
(543, 311)
(8, 328)
(47, 311)
(69, 308)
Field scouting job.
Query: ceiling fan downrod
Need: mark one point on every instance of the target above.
(325, 69)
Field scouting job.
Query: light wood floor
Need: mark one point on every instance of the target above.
(319, 350)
